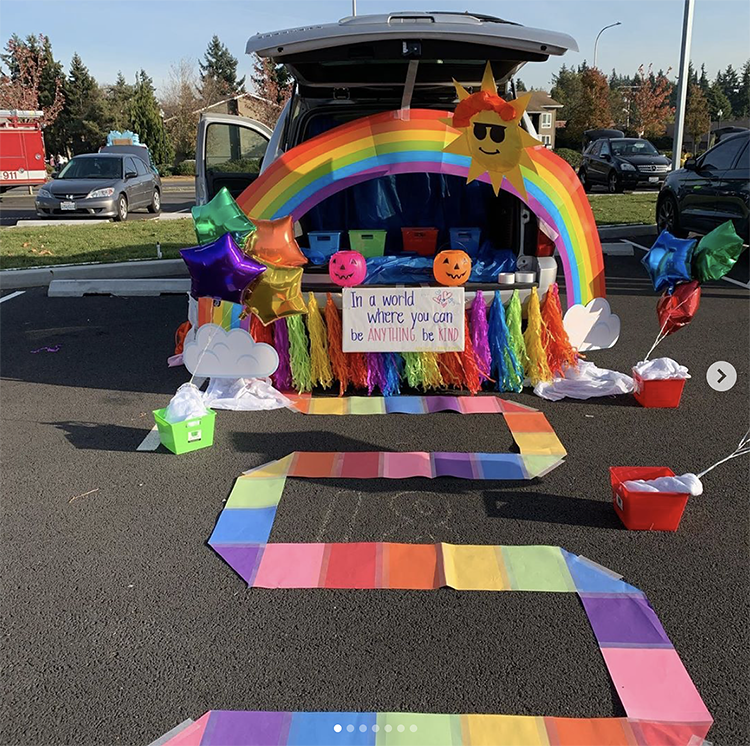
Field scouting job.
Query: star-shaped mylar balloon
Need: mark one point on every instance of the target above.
(221, 215)
(277, 294)
(221, 270)
(668, 261)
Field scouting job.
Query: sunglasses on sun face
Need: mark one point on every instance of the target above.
(497, 132)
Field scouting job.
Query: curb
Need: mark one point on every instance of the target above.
(622, 231)
(14, 279)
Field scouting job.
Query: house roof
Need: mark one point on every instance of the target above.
(541, 100)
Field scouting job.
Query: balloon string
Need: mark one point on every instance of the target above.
(742, 450)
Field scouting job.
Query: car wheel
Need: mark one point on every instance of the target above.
(155, 205)
(584, 180)
(668, 216)
(122, 208)
(613, 183)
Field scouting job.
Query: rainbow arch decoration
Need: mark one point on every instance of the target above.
(389, 143)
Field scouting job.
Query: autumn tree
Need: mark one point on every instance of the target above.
(593, 109)
(26, 86)
(651, 103)
(274, 85)
(697, 117)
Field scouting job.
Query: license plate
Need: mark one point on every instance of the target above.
(67, 205)
(653, 179)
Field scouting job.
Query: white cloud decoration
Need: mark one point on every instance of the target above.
(593, 326)
(217, 353)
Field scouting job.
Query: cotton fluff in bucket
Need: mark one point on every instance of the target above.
(687, 484)
(187, 403)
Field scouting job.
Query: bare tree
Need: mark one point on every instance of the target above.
(181, 103)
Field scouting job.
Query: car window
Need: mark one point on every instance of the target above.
(723, 155)
(605, 148)
(140, 167)
(594, 149)
(92, 168)
(232, 148)
(633, 147)
(743, 162)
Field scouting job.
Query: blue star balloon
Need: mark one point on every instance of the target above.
(220, 270)
(668, 261)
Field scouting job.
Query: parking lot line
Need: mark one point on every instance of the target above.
(12, 295)
(151, 441)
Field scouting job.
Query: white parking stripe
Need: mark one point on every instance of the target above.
(12, 295)
(151, 441)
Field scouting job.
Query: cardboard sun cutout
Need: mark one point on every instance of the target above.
(491, 134)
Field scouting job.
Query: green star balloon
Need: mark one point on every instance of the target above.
(221, 215)
(716, 253)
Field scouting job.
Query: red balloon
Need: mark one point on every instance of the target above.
(677, 310)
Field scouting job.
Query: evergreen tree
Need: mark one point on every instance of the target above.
(146, 120)
(703, 80)
(219, 73)
(83, 117)
(697, 117)
(117, 104)
(744, 94)
(718, 102)
(520, 86)
(729, 82)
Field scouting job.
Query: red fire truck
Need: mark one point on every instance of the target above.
(22, 159)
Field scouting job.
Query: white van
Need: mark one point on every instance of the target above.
(368, 64)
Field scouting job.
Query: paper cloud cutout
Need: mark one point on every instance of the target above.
(216, 353)
(593, 326)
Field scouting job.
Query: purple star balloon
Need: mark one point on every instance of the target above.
(220, 270)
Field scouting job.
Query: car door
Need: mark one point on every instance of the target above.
(701, 189)
(596, 168)
(133, 189)
(229, 152)
(145, 181)
(732, 193)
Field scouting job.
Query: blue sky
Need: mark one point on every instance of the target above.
(112, 35)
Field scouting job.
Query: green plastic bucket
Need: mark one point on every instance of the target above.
(367, 243)
(186, 436)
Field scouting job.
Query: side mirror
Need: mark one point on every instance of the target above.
(130, 175)
(54, 174)
(690, 164)
(606, 156)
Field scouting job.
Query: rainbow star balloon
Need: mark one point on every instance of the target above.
(491, 134)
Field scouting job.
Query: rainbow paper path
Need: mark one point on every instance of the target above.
(660, 699)
(248, 728)
(387, 143)
(408, 405)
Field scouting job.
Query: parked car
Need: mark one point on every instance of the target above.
(619, 163)
(102, 185)
(359, 66)
(709, 190)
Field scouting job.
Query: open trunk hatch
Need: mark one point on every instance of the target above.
(374, 51)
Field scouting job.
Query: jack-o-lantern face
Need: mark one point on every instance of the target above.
(452, 267)
(347, 268)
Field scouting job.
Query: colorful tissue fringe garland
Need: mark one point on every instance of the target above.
(497, 352)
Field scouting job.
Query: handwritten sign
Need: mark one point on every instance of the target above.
(403, 319)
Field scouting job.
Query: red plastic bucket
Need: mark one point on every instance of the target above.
(664, 393)
(646, 511)
(420, 240)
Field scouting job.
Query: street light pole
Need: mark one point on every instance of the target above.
(682, 85)
(596, 42)
(354, 7)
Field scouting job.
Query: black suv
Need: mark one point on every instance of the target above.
(619, 163)
(709, 190)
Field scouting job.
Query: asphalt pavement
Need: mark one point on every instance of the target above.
(120, 622)
(17, 204)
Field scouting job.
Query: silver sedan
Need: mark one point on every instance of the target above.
(104, 185)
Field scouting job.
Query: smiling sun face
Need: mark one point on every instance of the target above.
(491, 134)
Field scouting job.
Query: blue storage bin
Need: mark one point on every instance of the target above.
(466, 239)
(324, 242)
